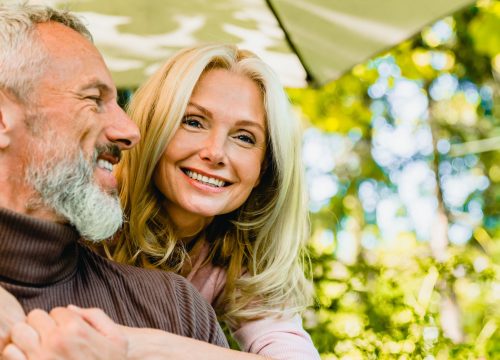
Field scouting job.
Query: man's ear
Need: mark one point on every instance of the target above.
(10, 112)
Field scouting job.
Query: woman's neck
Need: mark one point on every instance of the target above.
(187, 226)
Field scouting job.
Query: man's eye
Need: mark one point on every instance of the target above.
(95, 99)
(191, 122)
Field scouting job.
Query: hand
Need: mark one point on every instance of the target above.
(11, 313)
(66, 333)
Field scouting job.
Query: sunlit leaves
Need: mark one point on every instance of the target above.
(404, 139)
(483, 26)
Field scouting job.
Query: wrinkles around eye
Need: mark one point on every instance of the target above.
(246, 139)
(192, 122)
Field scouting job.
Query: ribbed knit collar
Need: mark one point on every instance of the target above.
(35, 252)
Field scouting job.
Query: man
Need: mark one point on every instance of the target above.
(61, 132)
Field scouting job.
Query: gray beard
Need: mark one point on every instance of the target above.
(67, 187)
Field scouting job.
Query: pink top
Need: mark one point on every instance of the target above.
(281, 339)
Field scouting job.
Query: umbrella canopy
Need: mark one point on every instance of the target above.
(305, 41)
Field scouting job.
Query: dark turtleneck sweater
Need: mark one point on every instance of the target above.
(44, 265)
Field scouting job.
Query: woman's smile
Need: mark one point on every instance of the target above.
(214, 159)
(205, 182)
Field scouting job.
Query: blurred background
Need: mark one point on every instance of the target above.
(401, 153)
(403, 165)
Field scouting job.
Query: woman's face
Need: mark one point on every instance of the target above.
(214, 159)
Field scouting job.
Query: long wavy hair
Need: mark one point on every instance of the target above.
(261, 244)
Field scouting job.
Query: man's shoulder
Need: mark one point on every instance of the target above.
(133, 273)
(165, 295)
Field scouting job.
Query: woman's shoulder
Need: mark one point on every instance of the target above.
(207, 278)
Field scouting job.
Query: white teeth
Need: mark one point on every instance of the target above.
(205, 179)
(104, 164)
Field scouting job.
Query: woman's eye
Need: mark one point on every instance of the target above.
(191, 122)
(245, 138)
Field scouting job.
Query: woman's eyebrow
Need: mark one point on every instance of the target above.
(200, 108)
(251, 123)
(209, 114)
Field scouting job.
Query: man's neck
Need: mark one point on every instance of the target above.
(24, 201)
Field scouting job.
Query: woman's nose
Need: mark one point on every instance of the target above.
(213, 150)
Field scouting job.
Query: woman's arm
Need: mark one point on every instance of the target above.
(74, 339)
(280, 339)
(152, 344)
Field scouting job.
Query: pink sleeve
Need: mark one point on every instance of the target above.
(280, 339)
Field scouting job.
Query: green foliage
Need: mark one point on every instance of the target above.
(392, 299)
(483, 26)
(387, 305)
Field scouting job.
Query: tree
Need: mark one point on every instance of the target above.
(406, 227)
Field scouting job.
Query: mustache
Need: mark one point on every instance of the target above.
(110, 149)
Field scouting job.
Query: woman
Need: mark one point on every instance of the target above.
(215, 192)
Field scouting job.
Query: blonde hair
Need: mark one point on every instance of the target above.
(265, 238)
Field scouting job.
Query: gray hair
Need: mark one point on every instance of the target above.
(64, 181)
(22, 57)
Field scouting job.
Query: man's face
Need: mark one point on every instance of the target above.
(77, 97)
(76, 129)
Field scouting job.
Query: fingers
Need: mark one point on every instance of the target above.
(95, 327)
(12, 352)
(41, 321)
(63, 317)
(96, 318)
(11, 313)
(41, 334)
(25, 338)
(75, 334)
(102, 323)
(10, 303)
(4, 335)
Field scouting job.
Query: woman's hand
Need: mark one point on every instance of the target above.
(66, 333)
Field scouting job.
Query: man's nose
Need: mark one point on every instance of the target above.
(123, 131)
